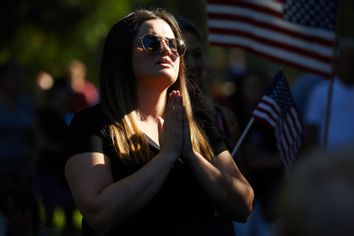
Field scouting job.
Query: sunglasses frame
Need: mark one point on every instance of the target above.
(180, 45)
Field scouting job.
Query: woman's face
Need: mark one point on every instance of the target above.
(161, 68)
(194, 57)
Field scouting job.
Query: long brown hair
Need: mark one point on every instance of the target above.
(118, 98)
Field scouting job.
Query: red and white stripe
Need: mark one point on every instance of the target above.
(259, 26)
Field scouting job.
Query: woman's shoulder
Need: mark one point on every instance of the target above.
(90, 118)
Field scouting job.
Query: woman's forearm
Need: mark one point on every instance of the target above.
(230, 191)
(105, 203)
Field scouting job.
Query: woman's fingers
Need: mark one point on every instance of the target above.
(171, 128)
(174, 105)
(179, 122)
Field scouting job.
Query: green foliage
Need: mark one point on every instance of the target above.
(46, 35)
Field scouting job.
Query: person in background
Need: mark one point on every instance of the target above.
(44, 81)
(317, 197)
(340, 124)
(19, 134)
(84, 92)
(301, 89)
(53, 123)
(262, 161)
(222, 117)
(139, 162)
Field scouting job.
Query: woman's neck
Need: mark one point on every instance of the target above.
(151, 103)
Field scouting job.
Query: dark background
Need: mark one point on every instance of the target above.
(46, 35)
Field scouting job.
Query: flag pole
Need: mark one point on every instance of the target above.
(327, 114)
(242, 137)
(330, 92)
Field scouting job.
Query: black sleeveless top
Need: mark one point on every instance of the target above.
(181, 207)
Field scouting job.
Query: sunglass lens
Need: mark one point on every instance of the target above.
(151, 43)
(181, 47)
(177, 46)
(172, 44)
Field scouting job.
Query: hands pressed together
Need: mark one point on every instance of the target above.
(174, 130)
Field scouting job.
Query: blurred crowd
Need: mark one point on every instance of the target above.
(33, 126)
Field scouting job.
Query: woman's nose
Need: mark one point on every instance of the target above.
(164, 48)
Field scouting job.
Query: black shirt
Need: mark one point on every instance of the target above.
(181, 207)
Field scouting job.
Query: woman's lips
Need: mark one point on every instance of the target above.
(164, 61)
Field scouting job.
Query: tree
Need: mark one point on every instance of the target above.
(46, 35)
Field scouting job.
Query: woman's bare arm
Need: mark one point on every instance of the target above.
(222, 180)
(104, 202)
(225, 184)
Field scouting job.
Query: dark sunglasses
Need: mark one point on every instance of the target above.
(152, 44)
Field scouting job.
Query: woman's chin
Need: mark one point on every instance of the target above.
(168, 76)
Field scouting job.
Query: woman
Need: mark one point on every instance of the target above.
(139, 161)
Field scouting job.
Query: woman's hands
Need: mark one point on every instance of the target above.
(171, 127)
(174, 131)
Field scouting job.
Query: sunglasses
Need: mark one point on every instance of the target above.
(152, 44)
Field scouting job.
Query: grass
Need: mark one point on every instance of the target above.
(59, 221)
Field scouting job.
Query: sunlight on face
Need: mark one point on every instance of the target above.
(160, 69)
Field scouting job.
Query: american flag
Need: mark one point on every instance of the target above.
(299, 33)
(277, 108)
